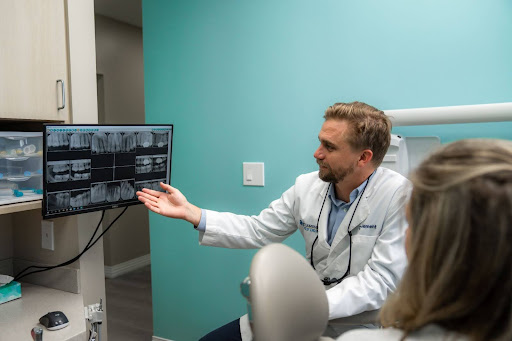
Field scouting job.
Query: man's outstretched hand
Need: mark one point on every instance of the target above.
(172, 204)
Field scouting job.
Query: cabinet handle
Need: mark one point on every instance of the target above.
(63, 95)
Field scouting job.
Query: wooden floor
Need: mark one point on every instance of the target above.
(129, 306)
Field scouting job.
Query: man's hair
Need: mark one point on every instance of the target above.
(460, 254)
(370, 128)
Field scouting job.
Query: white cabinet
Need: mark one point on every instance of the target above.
(33, 60)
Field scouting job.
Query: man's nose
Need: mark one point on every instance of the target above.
(319, 153)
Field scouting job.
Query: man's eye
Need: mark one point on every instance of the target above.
(329, 148)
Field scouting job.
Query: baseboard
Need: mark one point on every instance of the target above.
(128, 266)
(156, 338)
(6, 267)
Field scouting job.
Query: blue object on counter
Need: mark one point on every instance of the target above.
(10, 291)
(25, 189)
(39, 171)
(1, 175)
(27, 173)
(17, 193)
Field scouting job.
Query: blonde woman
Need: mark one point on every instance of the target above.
(458, 285)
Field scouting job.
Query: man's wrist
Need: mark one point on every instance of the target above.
(194, 215)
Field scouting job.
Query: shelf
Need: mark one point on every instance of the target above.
(18, 317)
(22, 206)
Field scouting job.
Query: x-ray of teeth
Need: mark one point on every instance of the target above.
(98, 192)
(155, 185)
(160, 139)
(80, 141)
(58, 141)
(144, 139)
(58, 171)
(80, 169)
(139, 186)
(143, 164)
(149, 185)
(113, 191)
(80, 198)
(129, 142)
(57, 201)
(159, 163)
(127, 190)
(114, 142)
(99, 143)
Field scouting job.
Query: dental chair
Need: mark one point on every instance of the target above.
(286, 301)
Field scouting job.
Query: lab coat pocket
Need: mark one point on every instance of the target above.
(362, 248)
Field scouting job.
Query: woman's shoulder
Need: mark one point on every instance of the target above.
(427, 333)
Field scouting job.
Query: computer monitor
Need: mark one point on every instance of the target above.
(97, 167)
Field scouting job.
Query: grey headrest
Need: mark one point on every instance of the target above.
(287, 298)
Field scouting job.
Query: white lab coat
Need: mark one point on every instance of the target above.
(378, 230)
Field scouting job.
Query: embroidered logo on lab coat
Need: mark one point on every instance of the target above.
(366, 230)
(308, 227)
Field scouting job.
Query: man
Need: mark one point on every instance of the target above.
(350, 214)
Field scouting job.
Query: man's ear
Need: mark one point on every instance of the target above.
(365, 157)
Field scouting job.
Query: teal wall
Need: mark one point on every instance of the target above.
(249, 81)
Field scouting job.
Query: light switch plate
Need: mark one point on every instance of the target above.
(254, 174)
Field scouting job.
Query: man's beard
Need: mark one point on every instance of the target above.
(328, 175)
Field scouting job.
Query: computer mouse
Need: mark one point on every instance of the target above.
(54, 320)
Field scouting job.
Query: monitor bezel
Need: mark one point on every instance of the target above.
(44, 210)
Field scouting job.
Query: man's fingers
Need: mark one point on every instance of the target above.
(152, 208)
(152, 192)
(167, 187)
(146, 198)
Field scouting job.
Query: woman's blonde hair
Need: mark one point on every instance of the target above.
(460, 251)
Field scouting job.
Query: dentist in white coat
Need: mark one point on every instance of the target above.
(350, 212)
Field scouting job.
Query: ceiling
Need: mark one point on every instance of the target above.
(127, 11)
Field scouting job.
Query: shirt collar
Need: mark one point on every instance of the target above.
(353, 194)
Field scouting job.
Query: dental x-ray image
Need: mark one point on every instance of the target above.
(129, 142)
(98, 192)
(160, 139)
(80, 198)
(154, 185)
(99, 143)
(58, 201)
(57, 141)
(114, 142)
(143, 164)
(57, 171)
(127, 189)
(97, 167)
(113, 191)
(80, 169)
(80, 141)
(159, 163)
(144, 139)
(139, 185)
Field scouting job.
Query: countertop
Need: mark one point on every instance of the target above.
(18, 317)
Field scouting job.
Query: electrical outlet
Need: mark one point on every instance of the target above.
(47, 235)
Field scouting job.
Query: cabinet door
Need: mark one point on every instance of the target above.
(33, 58)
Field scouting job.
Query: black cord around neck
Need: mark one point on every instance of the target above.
(327, 280)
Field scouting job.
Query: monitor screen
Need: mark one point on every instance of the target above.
(96, 167)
